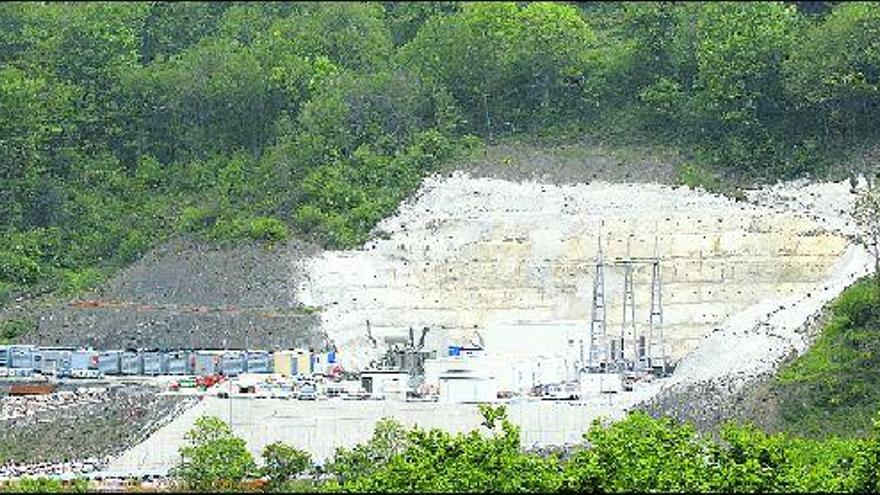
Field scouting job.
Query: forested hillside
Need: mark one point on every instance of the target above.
(122, 124)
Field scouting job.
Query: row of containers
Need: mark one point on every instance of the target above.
(21, 360)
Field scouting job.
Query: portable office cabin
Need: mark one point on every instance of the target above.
(206, 362)
(52, 361)
(84, 360)
(322, 362)
(232, 363)
(387, 384)
(178, 362)
(131, 363)
(22, 356)
(290, 363)
(258, 362)
(110, 362)
(153, 362)
(461, 385)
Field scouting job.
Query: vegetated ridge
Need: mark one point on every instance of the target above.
(125, 124)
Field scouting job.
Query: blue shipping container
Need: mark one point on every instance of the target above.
(22, 357)
(232, 363)
(52, 361)
(131, 363)
(258, 362)
(178, 363)
(83, 360)
(153, 363)
(110, 362)
(205, 363)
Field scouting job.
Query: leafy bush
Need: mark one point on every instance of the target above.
(45, 485)
(832, 388)
(10, 329)
(123, 124)
(636, 453)
(283, 464)
(215, 459)
(18, 268)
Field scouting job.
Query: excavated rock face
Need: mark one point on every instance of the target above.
(187, 294)
(470, 255)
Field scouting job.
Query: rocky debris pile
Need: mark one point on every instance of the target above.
(827, 203)
(729, 375)
(708, 404)
(759, 339)
(12, 407)
(124, 415)
(74, 468)
(189, 294)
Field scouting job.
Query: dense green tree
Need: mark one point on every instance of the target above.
(502, 62)
(122, 124)
(433, 460)
(215, 458)
(172, 27)
(642, 452)
(283, 464)
(835, 71)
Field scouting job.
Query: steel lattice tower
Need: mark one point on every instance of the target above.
(628, 323)
(655, 323)
(598, 338)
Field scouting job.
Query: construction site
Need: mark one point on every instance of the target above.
(565, 302)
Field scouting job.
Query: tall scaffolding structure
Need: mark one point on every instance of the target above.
(598, 338)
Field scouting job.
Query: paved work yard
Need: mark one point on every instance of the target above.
(320, 427)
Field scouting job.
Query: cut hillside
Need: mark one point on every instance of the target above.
(468, 257)
(189, 293)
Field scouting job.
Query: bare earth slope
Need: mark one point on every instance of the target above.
(185, 294)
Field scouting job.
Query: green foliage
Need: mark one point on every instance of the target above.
(832, 388)
(834, 72)
(509, 67)
(641, 452)
(122, 124)
(45, 485)
(867, 462)
(215, 458)
(10, 329)
(396, 460)
(283, 464)
(636, 453)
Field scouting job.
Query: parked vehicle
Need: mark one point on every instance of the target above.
(308, 392)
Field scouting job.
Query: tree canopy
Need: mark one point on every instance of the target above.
(124, 123)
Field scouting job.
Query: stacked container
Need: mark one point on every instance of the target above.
(22, 357)
(258, 362)
(153, 363)
(178, 362)
(232, 363)
(110, 362)
(131, 363)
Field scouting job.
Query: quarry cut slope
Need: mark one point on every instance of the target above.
(742, 283)
(467, 256)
